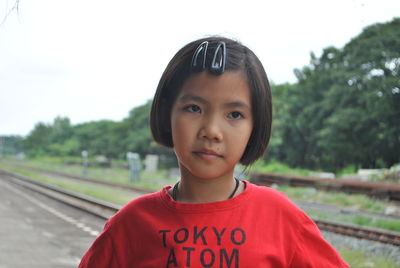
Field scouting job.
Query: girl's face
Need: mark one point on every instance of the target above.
(211, 123)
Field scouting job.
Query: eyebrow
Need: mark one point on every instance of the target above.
(191, 97)
(234, 104)
(238, 104)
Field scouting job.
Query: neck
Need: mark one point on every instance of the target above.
(200, 190)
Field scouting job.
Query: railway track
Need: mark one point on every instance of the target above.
(303, 205)
(85, 179)
(314, 206)
(86, 203)
(377, 190)
(105, 210)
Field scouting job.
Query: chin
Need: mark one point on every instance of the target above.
(206, 170)
(207, 173)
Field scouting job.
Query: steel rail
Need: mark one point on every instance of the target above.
(378, 235)
(105, 210)
(376, 190)
(373, 189)
(86, 203)
(145, 191)
(86, 179)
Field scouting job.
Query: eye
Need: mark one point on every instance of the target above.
(193, 108)
(235, 115)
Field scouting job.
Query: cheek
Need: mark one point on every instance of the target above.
(242, 138)
(180, 132)
(240, 142)
(174, 125)
(242, 132)
(175, 128)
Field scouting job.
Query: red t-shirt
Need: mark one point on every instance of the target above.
(260, 227)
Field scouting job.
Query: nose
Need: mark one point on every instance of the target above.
(211, 129)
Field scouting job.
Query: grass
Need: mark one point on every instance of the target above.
(155, 181)
(349, 169)
(108, 194)
(151, 181)
(310, 194)
(277, 167)
(358, 259)
(393, 225)
(361, 202)
(390, 225)
(334, 198)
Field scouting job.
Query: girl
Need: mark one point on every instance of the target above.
(213, 107)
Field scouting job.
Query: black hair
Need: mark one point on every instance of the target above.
(238, 58)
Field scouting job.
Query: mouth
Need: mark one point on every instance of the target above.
(207, 154)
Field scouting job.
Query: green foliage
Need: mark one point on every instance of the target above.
(309, 194)
(105, 193)
(385, 224)
(277, 167)
(104, 137)
(39, 139)
(97, 137)
(349, 169)
(345, 107)
(358, 259)
(392, 225)
(10, 145)
(116, 174)
(344, 110)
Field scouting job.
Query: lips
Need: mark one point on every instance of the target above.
(207, 154)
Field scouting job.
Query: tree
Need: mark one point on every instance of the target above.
(369, 99)
(139, 139)
(38, 140)
(10, 145)
(345, 107)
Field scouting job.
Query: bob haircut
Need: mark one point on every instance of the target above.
(238, 58)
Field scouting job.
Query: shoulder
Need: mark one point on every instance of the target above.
(279, 205)
(268, 194)
(143, 201)
(311, 248)
(134, 208)
(272, 202)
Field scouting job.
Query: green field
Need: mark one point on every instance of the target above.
(358, 259)
(157, 180)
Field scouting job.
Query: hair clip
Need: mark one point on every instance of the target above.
(200, 50)
(218, 61)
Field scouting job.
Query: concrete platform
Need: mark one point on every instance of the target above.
(36, 231)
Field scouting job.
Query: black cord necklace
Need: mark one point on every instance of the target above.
(175, 190)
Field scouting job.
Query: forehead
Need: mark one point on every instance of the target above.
(231, 85)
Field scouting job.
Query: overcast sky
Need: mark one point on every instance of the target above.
(93, 59)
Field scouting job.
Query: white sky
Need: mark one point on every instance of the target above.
(94, 59)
